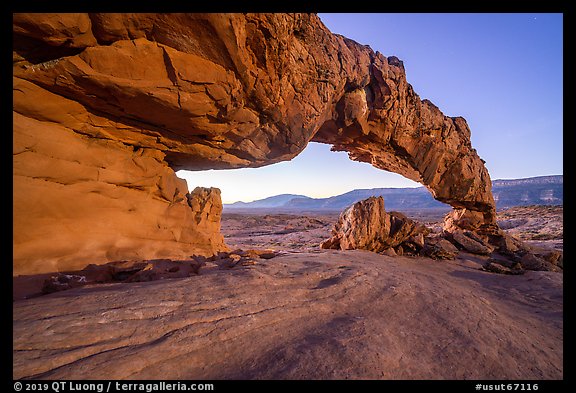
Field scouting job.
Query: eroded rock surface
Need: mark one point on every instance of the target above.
(322, 315)
(367, 226)
(130, 271)
(107, 106)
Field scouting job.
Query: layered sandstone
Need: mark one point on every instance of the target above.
(107, 106)
(309, 315)
(367, 226)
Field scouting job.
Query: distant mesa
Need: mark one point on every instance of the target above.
(270, 202)
(396, 198)
(541, 190)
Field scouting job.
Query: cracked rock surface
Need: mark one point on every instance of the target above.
(323, 315)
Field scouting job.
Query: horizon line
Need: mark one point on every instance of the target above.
(375, 188)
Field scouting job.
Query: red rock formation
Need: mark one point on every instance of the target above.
(437, 247)
(107, 106)
(366, 226)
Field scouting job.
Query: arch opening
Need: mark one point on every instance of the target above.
(294, 204)
(99, 133)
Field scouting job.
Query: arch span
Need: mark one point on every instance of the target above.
(107, 106)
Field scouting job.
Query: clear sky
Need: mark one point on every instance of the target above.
(502, 72)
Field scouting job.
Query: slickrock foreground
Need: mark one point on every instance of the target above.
(107, 106)
(324, 315)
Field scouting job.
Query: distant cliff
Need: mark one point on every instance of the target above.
(273, 201)
(542, 190)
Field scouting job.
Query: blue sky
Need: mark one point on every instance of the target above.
(502, 72)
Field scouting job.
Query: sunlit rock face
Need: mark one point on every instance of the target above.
(367, 226)
(108, 106)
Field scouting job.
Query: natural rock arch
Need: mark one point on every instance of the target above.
(108, 106)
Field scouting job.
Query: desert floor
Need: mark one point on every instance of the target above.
(307, 314)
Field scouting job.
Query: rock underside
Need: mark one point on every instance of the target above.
(107, 106)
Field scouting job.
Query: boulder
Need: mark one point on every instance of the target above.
(62, 282)
(532, 262)
(366, 226)
(439, 248)
(555, 257)
(496, 267)
(470, 244)
(509, 245)
(228, 260)
(161, 269)
(389, 252)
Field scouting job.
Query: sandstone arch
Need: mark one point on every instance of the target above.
(108, 106)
